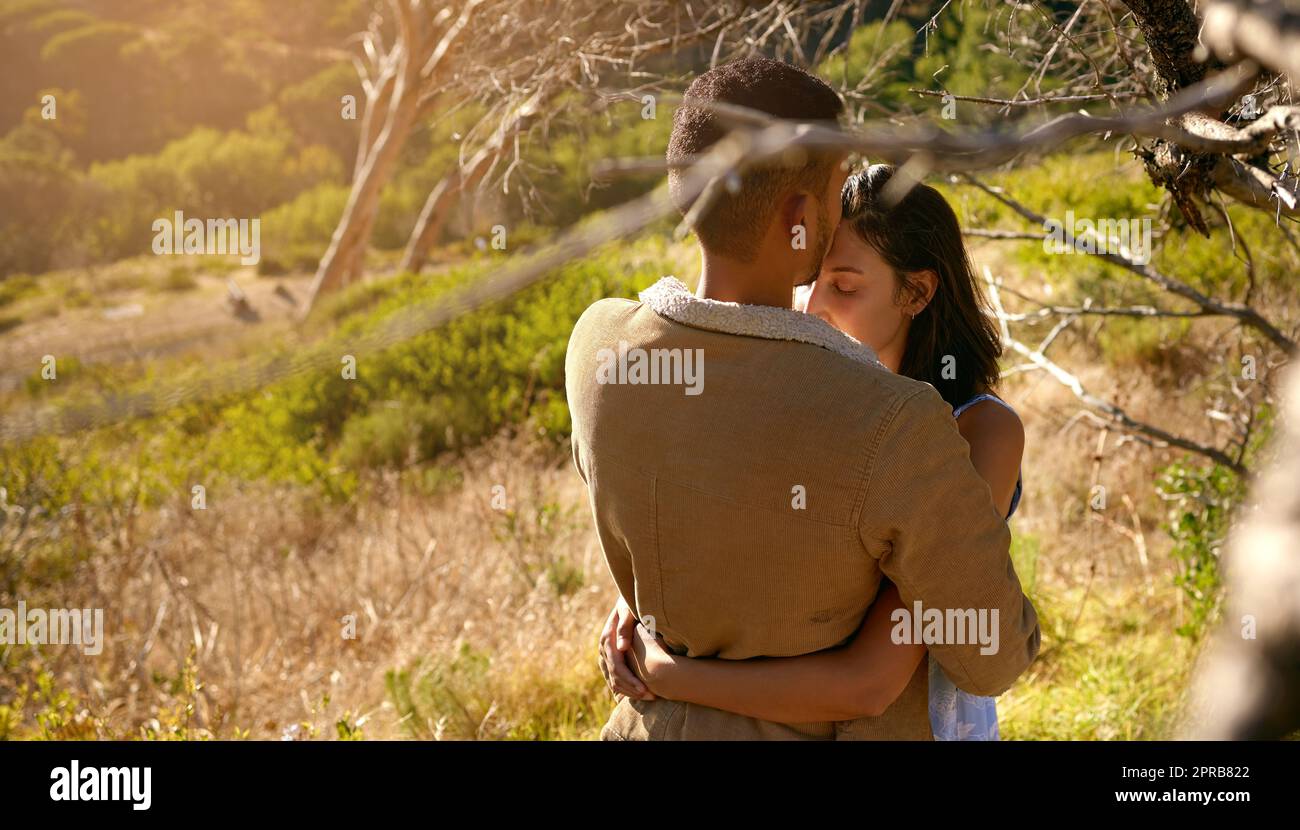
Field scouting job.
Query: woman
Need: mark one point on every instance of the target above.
(897, 279)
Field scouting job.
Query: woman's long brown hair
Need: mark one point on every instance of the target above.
(921, 233)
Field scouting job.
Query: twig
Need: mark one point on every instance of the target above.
(1024, 102)
(1247, 315)
(1113, 412)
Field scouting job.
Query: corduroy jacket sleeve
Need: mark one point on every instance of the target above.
(929, 517)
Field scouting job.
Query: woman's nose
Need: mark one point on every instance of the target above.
(815, 306)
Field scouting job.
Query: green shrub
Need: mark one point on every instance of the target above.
(179, 278)
(568, 192)
(206, 174)
(291, 259)
(306, 220)
(434, 393)
(16, 287)
(466, 695)
(41, 194)
(1202, 499)
(1025, 551)
(444, 698)
(66, 370)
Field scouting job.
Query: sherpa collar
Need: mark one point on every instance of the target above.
(671, 299)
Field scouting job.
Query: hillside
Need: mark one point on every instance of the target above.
(354, 572)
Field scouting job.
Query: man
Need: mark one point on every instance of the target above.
(753, 473)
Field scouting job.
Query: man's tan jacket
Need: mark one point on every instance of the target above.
(754, 474)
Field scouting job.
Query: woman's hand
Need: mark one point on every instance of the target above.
(615, 640)
(861, 679)
(654, 664)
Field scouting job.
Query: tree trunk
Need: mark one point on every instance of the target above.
(443, 196)
(428, 226)
(344, 257)
(438, 207)
(372, 121)
(1171, 31)
(1248, 687)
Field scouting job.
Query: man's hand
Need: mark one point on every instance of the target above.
(615, 640)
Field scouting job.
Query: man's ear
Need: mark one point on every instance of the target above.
(926, 283)
(795, 208)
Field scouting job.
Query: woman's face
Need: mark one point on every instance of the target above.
(855, 292)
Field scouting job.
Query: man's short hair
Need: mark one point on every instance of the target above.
(735, 222)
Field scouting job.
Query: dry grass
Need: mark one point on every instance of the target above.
(136, 311)
(475, 622)
(1111, 664)
(256, 588)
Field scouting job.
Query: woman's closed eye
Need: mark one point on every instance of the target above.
(844, 279)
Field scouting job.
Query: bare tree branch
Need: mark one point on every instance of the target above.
(1111, 411)
(1247, 315)
(1266, 31)
(1017, 102)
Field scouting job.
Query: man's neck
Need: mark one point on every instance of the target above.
(738, 282)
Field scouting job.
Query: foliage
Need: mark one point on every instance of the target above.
(464, 695)
(622, 130)
(1083, 685)
(444, 390)
(150, 71)
(956, 55)
(37, 183)
(1202, 498)
(1098, 186)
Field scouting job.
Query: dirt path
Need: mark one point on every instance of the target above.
(142, 324)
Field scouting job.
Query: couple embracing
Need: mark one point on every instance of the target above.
(814, 545)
